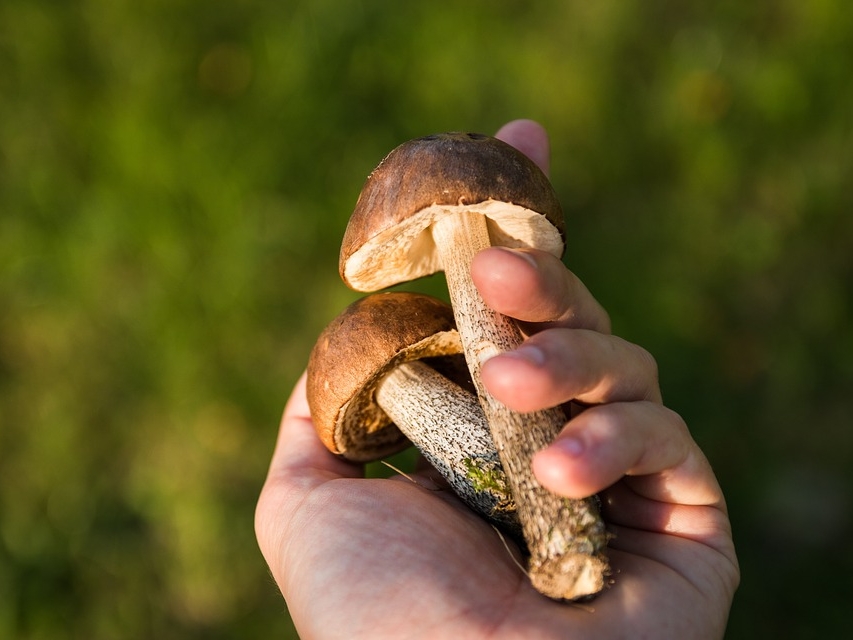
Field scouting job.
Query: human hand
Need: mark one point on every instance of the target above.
(377, 558)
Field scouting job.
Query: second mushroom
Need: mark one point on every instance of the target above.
(388, 371)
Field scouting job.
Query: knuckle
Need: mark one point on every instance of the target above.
(648, 365)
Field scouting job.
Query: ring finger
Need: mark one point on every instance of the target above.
(645, 442)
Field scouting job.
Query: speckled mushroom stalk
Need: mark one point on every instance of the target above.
(431, 205)
(564, 537)
(447, 426)
(371, 394)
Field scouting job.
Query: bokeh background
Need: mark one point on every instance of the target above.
(175, 178)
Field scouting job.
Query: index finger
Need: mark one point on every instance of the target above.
(536, 288)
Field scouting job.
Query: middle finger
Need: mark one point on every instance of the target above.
(557, 366)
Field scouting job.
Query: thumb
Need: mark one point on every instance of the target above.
(530, 138)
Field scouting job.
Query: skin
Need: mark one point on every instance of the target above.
(396, 558)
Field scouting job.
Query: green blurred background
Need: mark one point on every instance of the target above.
(175, 178)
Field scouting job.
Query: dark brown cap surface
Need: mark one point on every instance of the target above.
(373, 335)
(426, 177)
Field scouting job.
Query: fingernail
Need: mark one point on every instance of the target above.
(527, 353)
(524, 255)
(570, 446)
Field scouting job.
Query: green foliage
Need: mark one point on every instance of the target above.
(175, 178)
(486, 475)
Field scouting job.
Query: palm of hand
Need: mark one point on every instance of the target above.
(393, 558)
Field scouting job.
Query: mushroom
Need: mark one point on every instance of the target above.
(432, 204)
(371, 393)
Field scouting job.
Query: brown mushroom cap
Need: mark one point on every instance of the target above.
(353, 353)
(388, 241)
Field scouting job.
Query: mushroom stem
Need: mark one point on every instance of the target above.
(447, 425)
(566, 538)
